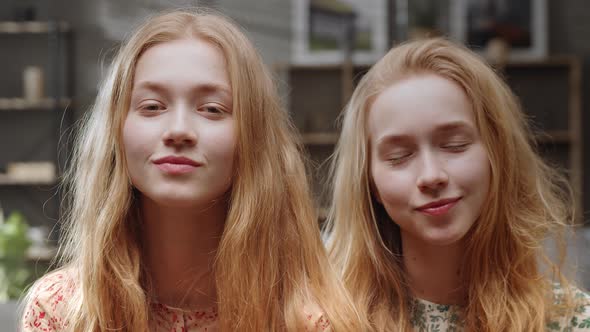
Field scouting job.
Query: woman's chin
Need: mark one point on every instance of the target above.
(179, 200)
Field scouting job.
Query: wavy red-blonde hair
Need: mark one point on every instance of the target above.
(507, 291)
(270, 262)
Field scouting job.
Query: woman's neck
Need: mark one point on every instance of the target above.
(179, 248)
(434, 272)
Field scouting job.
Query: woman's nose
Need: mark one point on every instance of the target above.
(433, 175)
(181, 131)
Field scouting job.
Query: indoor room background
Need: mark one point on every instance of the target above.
(54, 53)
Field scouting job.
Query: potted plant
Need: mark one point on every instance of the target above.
(14, 273)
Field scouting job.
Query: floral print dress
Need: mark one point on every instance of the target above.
(44, 312)
(427, 316)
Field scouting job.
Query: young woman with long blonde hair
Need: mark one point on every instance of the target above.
(441, 207)
(189, 204)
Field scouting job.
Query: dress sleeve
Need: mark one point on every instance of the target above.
(44, 309)
(580, 322)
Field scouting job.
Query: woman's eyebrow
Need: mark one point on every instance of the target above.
(392, 139)
(150, 85)
(213, 88)
(453, 126)
(206, 88)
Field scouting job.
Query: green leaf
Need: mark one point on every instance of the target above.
(585, 324)
(553, 326)
(14, 243)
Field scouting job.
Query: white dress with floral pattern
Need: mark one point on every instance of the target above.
(45, 311)
(427, 316)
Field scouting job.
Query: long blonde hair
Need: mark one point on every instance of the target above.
(507, 291)
(270, 262)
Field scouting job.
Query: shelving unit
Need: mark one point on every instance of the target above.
(45, 104)
(36, 126)
(34, 27)
(550, 92)
(317, 96)
(8, 181)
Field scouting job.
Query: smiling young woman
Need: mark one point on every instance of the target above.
(189, 203)
(440, 204)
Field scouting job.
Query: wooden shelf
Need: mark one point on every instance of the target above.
(32, 27)
(29, 173)
(554, 61)
(6, 180)
(280, 66)
(20, 104)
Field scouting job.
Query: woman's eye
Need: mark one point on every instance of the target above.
(212, 109)
(456, 147)
(152, 107)
(398, 159)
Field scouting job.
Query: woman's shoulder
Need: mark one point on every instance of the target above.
(45, 304)
(577, 318)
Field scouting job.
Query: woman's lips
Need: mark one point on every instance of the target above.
(439, 207)
(176, 168)
(176, 165)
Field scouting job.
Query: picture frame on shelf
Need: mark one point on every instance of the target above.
(520, 24)
(420, 18)
(325, 32)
